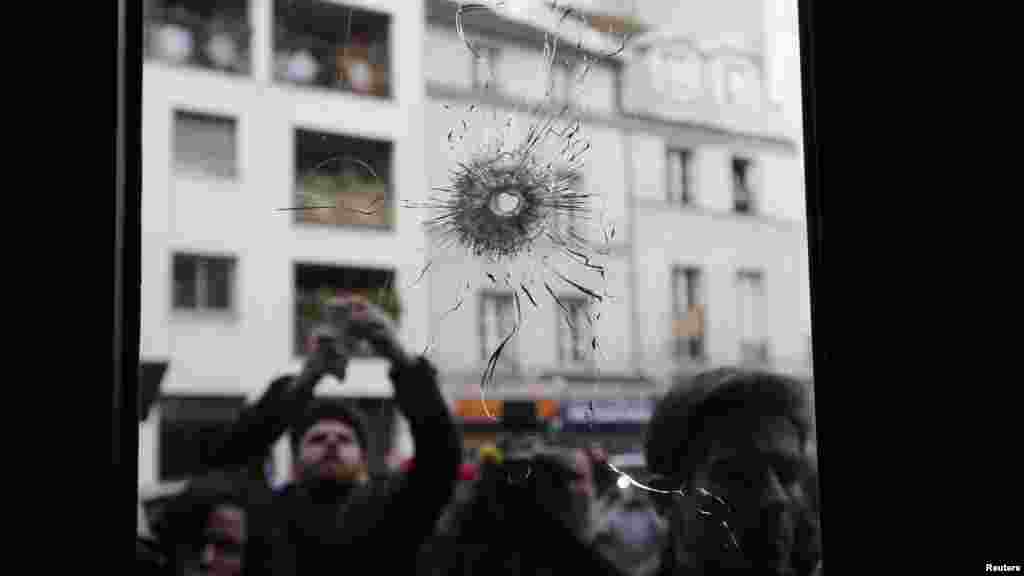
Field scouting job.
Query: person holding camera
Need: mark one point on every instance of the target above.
(332, 512)
(522, 515)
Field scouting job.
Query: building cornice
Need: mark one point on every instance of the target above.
(627, 123)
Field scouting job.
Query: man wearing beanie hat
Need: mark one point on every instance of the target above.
(332, 511)
(735, 443)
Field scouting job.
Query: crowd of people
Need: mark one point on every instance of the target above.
(730, 487)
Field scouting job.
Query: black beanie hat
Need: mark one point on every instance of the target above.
(676, 433)
(331, 409)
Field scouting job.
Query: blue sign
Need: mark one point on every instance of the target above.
(605, 412)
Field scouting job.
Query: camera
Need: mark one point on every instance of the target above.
(341, 332)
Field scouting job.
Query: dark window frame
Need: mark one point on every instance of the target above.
(689, 348)
(507, 301)
(574, 303)
(228, 121)
(744, 199)
(201, 294)
(686, 155)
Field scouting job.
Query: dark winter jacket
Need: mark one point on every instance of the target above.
(379, 526)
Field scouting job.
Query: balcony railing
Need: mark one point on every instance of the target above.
(344, 200)
(184, 39)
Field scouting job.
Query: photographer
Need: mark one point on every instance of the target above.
(523, 515)
(333, 512)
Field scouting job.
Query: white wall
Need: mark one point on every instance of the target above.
(605, 177)
(719, 247)
(710, 237)
(783, 178)
(648, 170)
(597, 90)
(449, 61)
(243, 218)
(645, 91)
(776, 177)
(714, 179)
(740, 19)
(782, 34)
(522, 73)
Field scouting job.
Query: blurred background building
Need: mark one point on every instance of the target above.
(243, 102)
(251, 106)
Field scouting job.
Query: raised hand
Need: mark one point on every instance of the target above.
(367, 320)
(327, 354)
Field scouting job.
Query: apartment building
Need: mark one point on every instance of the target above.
(252, 107)
(694, 166)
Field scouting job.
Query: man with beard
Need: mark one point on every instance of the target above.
(333, 514)
(736, 444)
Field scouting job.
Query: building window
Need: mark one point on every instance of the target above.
(346, 179)
(205, 144)
(574, 332)
(497, 321)
(332, 46)
(485, 68)
(680, 176)
(688, 313)
(750, 308)
(742, 190)
(191, 430)
(567, 220)
(316, 284)
(203, 282)
(212, 35)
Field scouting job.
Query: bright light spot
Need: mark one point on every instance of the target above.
(623, 482)
(505, 203)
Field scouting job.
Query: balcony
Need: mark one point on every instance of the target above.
(345, 180)
(199, 35)
(332, 47)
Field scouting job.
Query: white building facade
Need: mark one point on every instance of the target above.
(718, 196)
(694, 165)
(245, 113)
(236, 108)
